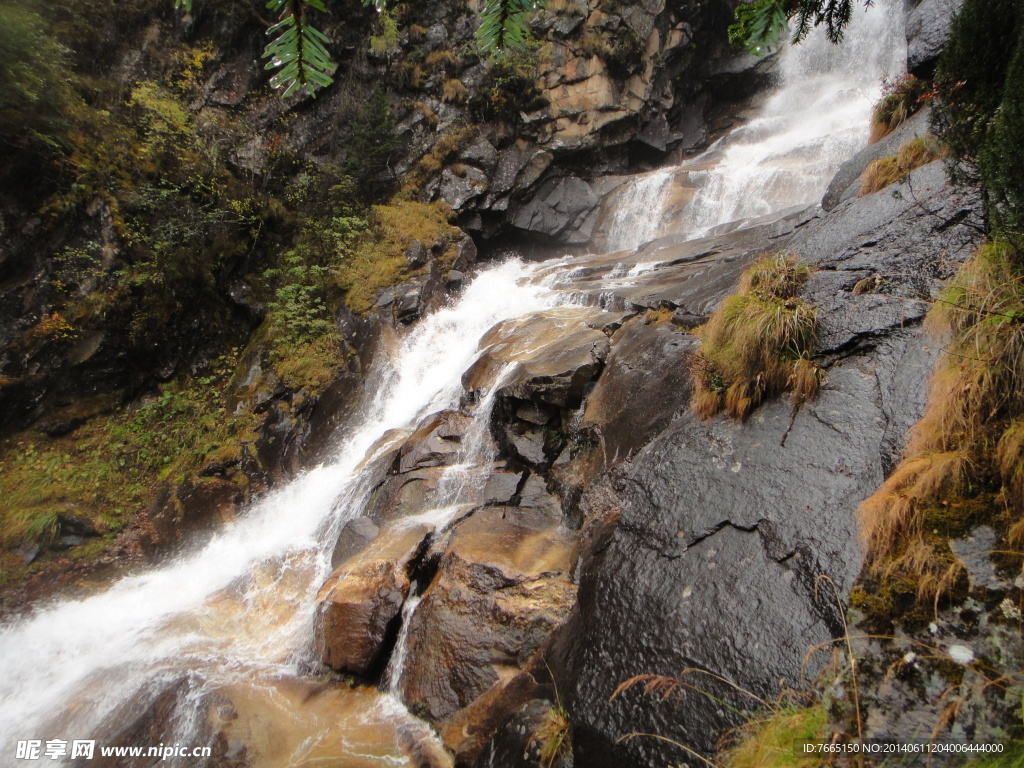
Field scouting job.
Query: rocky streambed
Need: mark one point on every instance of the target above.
(613, 534)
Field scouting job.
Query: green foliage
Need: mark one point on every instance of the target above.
(553, 736)
(503, 25)
(759, 25)
(379, 260)
(769, 741)
(979, 117)
(1001, 156)
(834, 14)
(34, 77)
(758, 342)
(901, 98)
(109, 468)
(372, 141)
(510, 88)
(386, 43)
(297, 49)
(298, 308)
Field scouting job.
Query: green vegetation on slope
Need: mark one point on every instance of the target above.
(181, 243)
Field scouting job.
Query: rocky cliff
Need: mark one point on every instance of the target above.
(237, 262)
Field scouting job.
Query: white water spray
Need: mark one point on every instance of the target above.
(639, 208)
(817, 119)
(240, 609)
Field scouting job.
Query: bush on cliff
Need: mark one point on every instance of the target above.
(980, 113)
(901, 99)
(757, 344)
(32, 69)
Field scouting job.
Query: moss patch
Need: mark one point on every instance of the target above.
(770, 741)
(379, 261)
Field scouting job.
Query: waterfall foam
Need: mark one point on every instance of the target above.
(786, 156)
(638, 211)
(241, 608)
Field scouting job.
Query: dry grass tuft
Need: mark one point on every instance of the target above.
(454, 92)
(757, 344)
(444, 59)
(879, 175)
(552, 737)
(888, 170)
(971, 436)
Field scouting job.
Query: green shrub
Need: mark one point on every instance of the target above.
(510, 88)
(626, 55)
(980, 115)
(901, 99)
(34, 78)
(370, 146)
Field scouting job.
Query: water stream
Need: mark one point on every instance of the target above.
(816, 119)
(225, 631)
(237, 615)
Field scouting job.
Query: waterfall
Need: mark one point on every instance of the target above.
(638, 211)
(238, 614)
(816, 119)
(396, 666)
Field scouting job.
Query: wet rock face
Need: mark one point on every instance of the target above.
(714, 562)
(928, 27)
(845, 185)
(910, 685)
(358, 605)
(638, 393)
(711, 547)
(902, 241)
(548, 357)
(501, 588)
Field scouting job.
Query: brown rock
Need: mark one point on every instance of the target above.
(557, 353)
(360, 601)
(502, 587)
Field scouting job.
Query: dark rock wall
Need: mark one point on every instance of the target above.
(733, 547)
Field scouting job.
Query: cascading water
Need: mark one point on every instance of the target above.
(638, 211)
(817, 119)
(238, 614)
